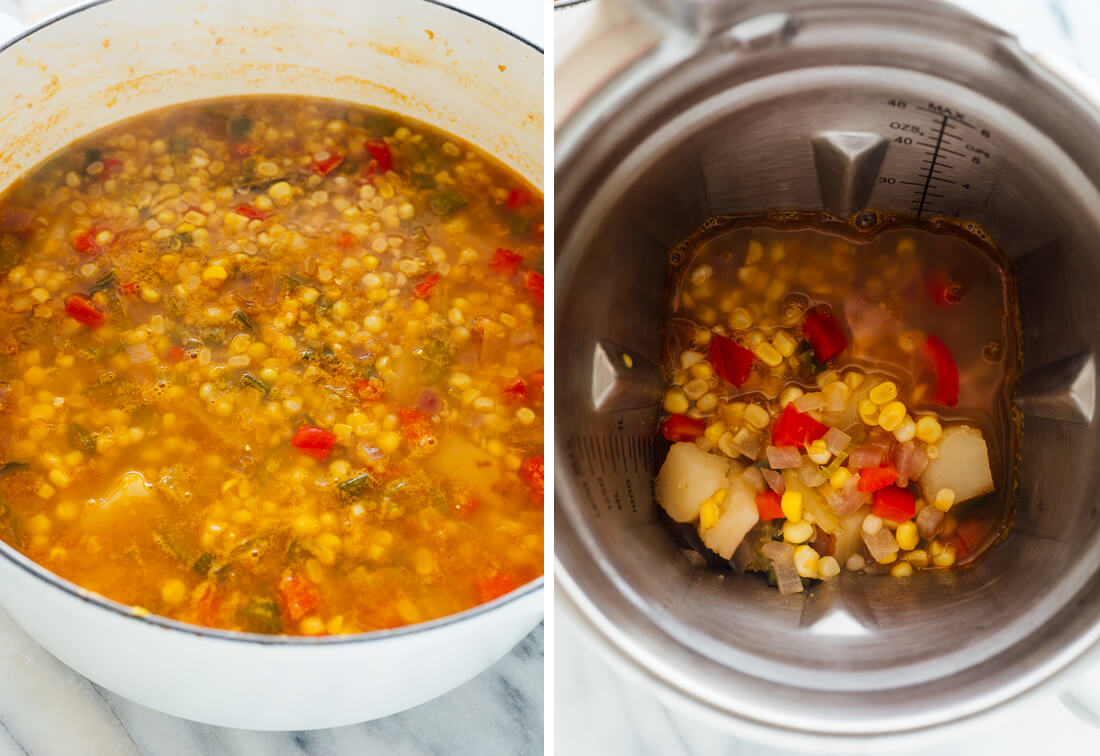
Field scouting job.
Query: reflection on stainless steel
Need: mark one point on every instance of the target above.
(920, 111)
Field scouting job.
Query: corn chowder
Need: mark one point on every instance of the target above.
(274, 365)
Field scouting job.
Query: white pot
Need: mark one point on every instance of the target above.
(111, 60)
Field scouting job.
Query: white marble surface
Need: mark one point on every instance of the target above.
(47, 709)
(597, 711)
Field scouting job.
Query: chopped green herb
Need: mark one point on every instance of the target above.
(246, 322)
(10, 467)
(104, 282)
(240, 125)
(518, 224)
(202, 564)
(356, 486)
(178, 144)
(434, 358)
(92, 155)
(252, 381)
(260, 615)
(81, 438)
(447, 202)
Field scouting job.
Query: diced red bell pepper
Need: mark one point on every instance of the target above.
(368, 389)
(251, 213)
(326, 166)
(535, 285)
(894, 504)
(517, 198)
(176, 353)
(767, 505)
(794, 428)
(505, 262)
(876, 478)
(299, 596)
(85, 243)
(465, 503)
(947, 372)
(244, 149)
(731, 361)
(824, 335)
(424, 288)
(682, 428)
(208, 607)
(344, 240)
(516, 391)
(81, 309)
(315, 442)
(533, 473)
(494, 586)
(131, 289)
(111, 166)
(416, 427)
(380, 151)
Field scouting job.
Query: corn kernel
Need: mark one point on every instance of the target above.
(884, 393)
(740, 319)
(784, 343)
(818, 452)
(59, 478)
(891, 417)
(889, 558)
(828, 568)
(907, 535)
(214, 275)
(707, 402)
(855, 563)
(790, 394)
(388, 441)
(709, 511)
(700, 370)
(714, 431)
(945, 558)
(945, 499)
(281, 193)
(901, 570)
(840, 477)
(757, 416)
(836, 393)
(173, 591)
(689, 359)
(872, 524)
(917, 558)
(853, 380)
(868, 412)
(797, 532)
(675, 402)
(312, 626)
(806, 561)
(933, 451)
(791, 504)
(906, 431)
(769, 355)
(929, 429)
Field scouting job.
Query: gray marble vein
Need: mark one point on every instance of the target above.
(47, 709)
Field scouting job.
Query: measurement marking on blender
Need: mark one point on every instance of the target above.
(931, 170)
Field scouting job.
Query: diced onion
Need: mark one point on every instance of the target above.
(848, 499)
(139, 353)
(744, 556)
(774, 480)
(754, 478)
(881, 545)
(929, 521)
(782, 457)
(782, 556)
(810, 402)
(867, 455)
(836, 440)
(811, 475)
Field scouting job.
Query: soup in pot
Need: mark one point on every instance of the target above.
(274, 365)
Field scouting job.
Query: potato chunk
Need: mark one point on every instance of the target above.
(739, 514)
(962, 466)
(688, 476)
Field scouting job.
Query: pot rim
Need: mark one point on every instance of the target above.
(56, 581)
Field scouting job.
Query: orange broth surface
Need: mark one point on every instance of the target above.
(274, 365)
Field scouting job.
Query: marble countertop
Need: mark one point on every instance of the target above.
(597, 711)
(47, 709)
